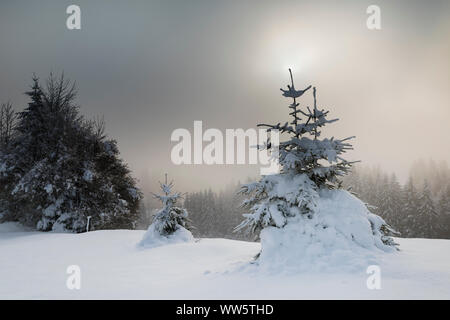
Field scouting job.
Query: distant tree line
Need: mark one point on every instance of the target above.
(419, 208)
(58, 170)
(213, 214)
(216, 214)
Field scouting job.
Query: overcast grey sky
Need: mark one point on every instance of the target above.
(153, 66)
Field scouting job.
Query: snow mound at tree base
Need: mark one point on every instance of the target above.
(152, 238)
(342, 235)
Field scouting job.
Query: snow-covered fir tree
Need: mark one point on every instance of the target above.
(376, 190)
(382, 199)
(390, 207)
(409, 212)
(295, 201)
(196, 203)
(170, 223)
(444, 212)
(8, 121)
(60, 169)
(299, 159)
(426, 220)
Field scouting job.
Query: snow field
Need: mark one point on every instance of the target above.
(33, 266)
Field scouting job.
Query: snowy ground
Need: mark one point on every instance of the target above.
(33, 266)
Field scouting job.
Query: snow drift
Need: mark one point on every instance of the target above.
(342, 234)
(153, 238)
(33, 266)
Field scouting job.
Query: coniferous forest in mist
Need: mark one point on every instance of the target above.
(417, 208)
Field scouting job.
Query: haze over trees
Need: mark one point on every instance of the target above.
(419, 208)
(58, 168)
(397, 203)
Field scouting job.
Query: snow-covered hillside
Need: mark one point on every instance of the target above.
(33, 266)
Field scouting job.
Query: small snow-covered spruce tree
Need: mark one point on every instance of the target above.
(170, 218)
(308, 164)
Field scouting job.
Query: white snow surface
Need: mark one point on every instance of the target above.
(33, 265)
